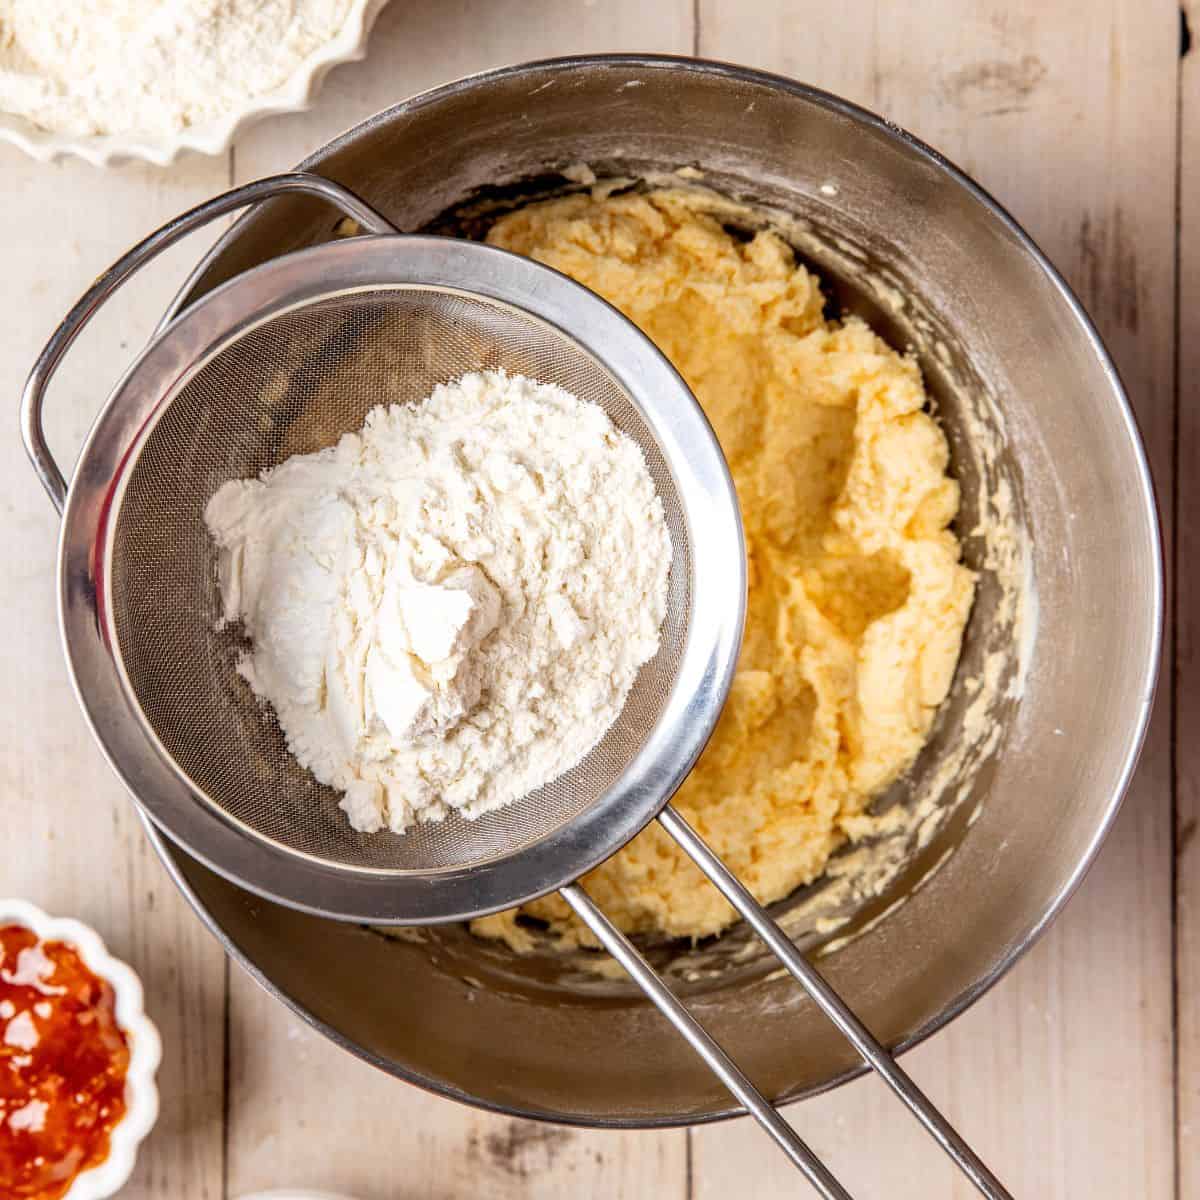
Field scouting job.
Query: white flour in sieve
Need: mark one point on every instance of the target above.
(448, 609)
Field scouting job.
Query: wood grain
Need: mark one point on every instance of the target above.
(1187, 661)
(418, 44)
(305, 1113)
(1050, 111)
(72, 842)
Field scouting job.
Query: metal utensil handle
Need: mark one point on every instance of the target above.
(93, 299)
(644, 975)
(832, 1005)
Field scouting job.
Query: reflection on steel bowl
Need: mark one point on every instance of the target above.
(1020, 779)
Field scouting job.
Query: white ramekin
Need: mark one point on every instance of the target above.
(141, 1094)
(296, 95)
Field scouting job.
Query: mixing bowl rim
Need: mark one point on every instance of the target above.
(1136, 734)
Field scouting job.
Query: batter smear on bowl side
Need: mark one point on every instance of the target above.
(858, 598)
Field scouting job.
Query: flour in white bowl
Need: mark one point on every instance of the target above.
(448, 609)
(152, 67)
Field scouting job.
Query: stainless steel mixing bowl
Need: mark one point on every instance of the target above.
(905, 238)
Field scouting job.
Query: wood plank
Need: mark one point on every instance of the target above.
(72, 841)
(306, 1113)
(418, 44)
(1061, 1076)
(1187, 668)
(302, 1111)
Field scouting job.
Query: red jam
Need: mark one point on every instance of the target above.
(63, 1060)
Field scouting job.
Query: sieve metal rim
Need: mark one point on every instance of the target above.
(692, 455)
(111, 526)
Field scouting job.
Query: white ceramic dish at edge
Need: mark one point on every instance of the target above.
(141, 1094)
(296, 95)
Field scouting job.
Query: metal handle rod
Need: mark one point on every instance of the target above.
(94, 298)
(644, 975)
(832, 1005)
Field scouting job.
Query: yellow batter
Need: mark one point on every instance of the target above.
(857, 596)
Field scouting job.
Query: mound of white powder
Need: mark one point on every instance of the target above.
(448, 609)
(90, 67)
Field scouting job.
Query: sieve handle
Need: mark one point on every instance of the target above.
(93, 299)
(832, 1005)
(725, 1069)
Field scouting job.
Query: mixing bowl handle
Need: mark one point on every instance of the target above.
(829, 1002)
(94, 298)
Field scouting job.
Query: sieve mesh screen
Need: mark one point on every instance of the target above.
(291, 385)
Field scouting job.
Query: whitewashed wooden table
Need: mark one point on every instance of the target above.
(1079, 1075)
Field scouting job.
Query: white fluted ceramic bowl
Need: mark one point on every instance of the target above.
(145, 1048)
(296, 95)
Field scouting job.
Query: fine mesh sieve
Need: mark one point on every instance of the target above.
(283, 360)
(291, 384)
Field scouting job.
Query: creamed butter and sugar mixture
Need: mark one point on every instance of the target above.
(858, 598)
